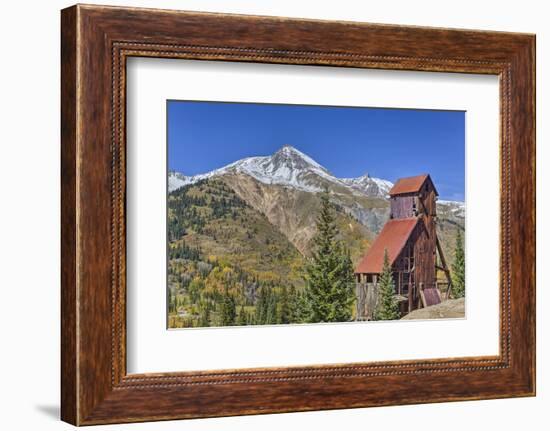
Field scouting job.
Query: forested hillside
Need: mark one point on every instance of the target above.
(224, 256)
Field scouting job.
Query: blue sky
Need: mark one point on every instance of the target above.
(349, 142)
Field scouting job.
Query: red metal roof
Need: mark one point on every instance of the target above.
(410, 184)
(393, 237)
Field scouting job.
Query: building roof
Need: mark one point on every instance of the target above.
(393, 237)
(410, 185)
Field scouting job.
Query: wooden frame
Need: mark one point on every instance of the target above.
(96, 41)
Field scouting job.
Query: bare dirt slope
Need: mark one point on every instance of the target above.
(451, 309)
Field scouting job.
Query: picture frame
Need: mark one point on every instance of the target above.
(96, 42)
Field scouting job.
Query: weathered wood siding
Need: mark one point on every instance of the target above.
(402, 206)
(367, 299)
(402, 268)
(424, 257)
(424, 240)
(428, 208)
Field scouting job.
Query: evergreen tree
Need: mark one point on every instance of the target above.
(171, 304)
(266, 306)
(271, 316)
(329, 273)
(228, 312)
(261, 306)
(204, 314)
(302, 311)
(387, 307)
(284, 310)
(345, 296)
(458, 274)
(292, 304)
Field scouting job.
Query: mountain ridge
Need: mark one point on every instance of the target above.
(292, 168)
(284, 185)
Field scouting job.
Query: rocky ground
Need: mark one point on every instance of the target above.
(451, 309)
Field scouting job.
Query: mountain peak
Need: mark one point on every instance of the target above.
(286, 147)
(289, 150)
(289, 167)
(294, 159)
(286, 150)
(368, 185)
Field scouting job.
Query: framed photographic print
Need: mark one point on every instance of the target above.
(321, 214)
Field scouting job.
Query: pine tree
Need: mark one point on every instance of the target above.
(261, 306)
(344, 296)
(204, 314)
(458, 274)
(171, 303)
(302, 311)
(387, 307)
(329, 273)
(271, 309)
(228, 310)
(284, 310)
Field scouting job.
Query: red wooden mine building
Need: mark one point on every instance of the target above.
(410, 239)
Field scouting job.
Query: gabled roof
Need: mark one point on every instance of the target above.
(410, 185)
(393, 237)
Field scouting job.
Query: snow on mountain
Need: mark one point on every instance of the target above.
(177, 180)
(291, 168)
(287, 167)
(369, 186)
(457, 208)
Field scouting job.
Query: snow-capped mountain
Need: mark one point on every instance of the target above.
(456, 208)
(177, 180)
(291, 168)
(369, 186)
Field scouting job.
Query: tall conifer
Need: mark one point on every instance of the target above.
(284, 310)
(329, 272)
(387, 307)
(458, 274)
(228, 312)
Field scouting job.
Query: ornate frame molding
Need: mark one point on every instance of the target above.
(96, 41)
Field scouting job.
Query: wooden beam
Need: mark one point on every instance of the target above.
(410, 295)
(438, 294)
(445, 267)
(441, 255)
(399, 282)
(423, 206)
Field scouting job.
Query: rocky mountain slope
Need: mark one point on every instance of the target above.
(293, 212)
(210, 218)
